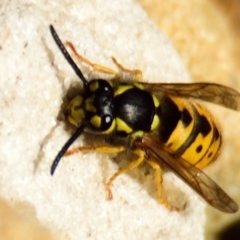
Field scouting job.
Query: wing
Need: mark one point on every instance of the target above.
(209, 92)
(193, 176)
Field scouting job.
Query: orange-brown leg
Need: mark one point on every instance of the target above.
(140, 158)
(96, 67)
(135, 75)
(158, 181)
(100, 149)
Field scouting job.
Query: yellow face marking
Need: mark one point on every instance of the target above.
(76, 117)
(122, 89)
(89, 107)
(96, 121)
(77, 101)
(75, 113)
(122, 126)
(94, 86)
(89, 104)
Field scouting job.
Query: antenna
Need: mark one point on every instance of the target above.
(67, 56)
(70, 141)
(80, 129)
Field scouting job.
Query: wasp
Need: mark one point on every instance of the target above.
(160, 123)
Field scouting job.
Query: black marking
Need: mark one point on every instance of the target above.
(199, 149)
(201, 126)
(136, 108)
(216, 137)
(210, 155)
(216, 134)
(169, 116)
(122, 134)
(186, 117)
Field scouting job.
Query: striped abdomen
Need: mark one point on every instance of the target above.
(188, 130)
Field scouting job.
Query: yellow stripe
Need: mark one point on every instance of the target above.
(181, 133)
(122, 89)
(122, 126)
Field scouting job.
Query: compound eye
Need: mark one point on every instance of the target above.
(107, 123)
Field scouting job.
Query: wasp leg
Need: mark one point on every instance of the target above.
(158, 180)
(95, 66)
(141, 156)
(100, 149)
(136, 74)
